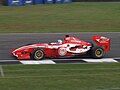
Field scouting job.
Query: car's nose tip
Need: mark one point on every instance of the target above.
(13, 51)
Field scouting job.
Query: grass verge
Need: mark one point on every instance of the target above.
(74, 17)
(61, 77)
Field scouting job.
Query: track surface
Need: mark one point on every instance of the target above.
(14, 40)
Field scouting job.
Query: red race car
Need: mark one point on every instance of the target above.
(69, 47)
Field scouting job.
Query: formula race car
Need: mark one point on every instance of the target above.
(69, 47)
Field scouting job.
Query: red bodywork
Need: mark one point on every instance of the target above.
(70, 47)
(102, 42)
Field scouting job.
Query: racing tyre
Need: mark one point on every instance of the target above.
(37, 54)
(97, 52)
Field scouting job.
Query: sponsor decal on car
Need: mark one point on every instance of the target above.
(62, 51)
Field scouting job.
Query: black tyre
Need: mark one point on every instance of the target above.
(37, 54)
(97, 52)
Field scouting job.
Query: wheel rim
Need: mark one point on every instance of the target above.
(99, 52)
(38, 55)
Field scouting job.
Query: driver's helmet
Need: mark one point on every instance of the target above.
(66, 37)
(60, 41)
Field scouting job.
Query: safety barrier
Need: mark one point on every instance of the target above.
(32, 2)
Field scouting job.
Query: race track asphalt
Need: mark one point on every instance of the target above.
(10, 41)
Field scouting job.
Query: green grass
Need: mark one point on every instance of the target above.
(61, 77)
(74, 17)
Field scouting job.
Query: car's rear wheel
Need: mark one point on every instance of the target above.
(97, 52)
(37, 54)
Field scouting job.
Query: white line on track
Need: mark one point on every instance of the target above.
(53, 61)
(38, 62)
(63, 59)
(1, 70)
(100, 60)
(8, 60)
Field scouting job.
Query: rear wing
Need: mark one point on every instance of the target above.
(102, 41)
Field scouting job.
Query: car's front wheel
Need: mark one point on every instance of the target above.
(37, 54)
(97, 52)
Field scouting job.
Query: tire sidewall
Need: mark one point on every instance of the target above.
(96, 50)
(33, 54)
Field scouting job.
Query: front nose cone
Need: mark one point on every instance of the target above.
(14, 53)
